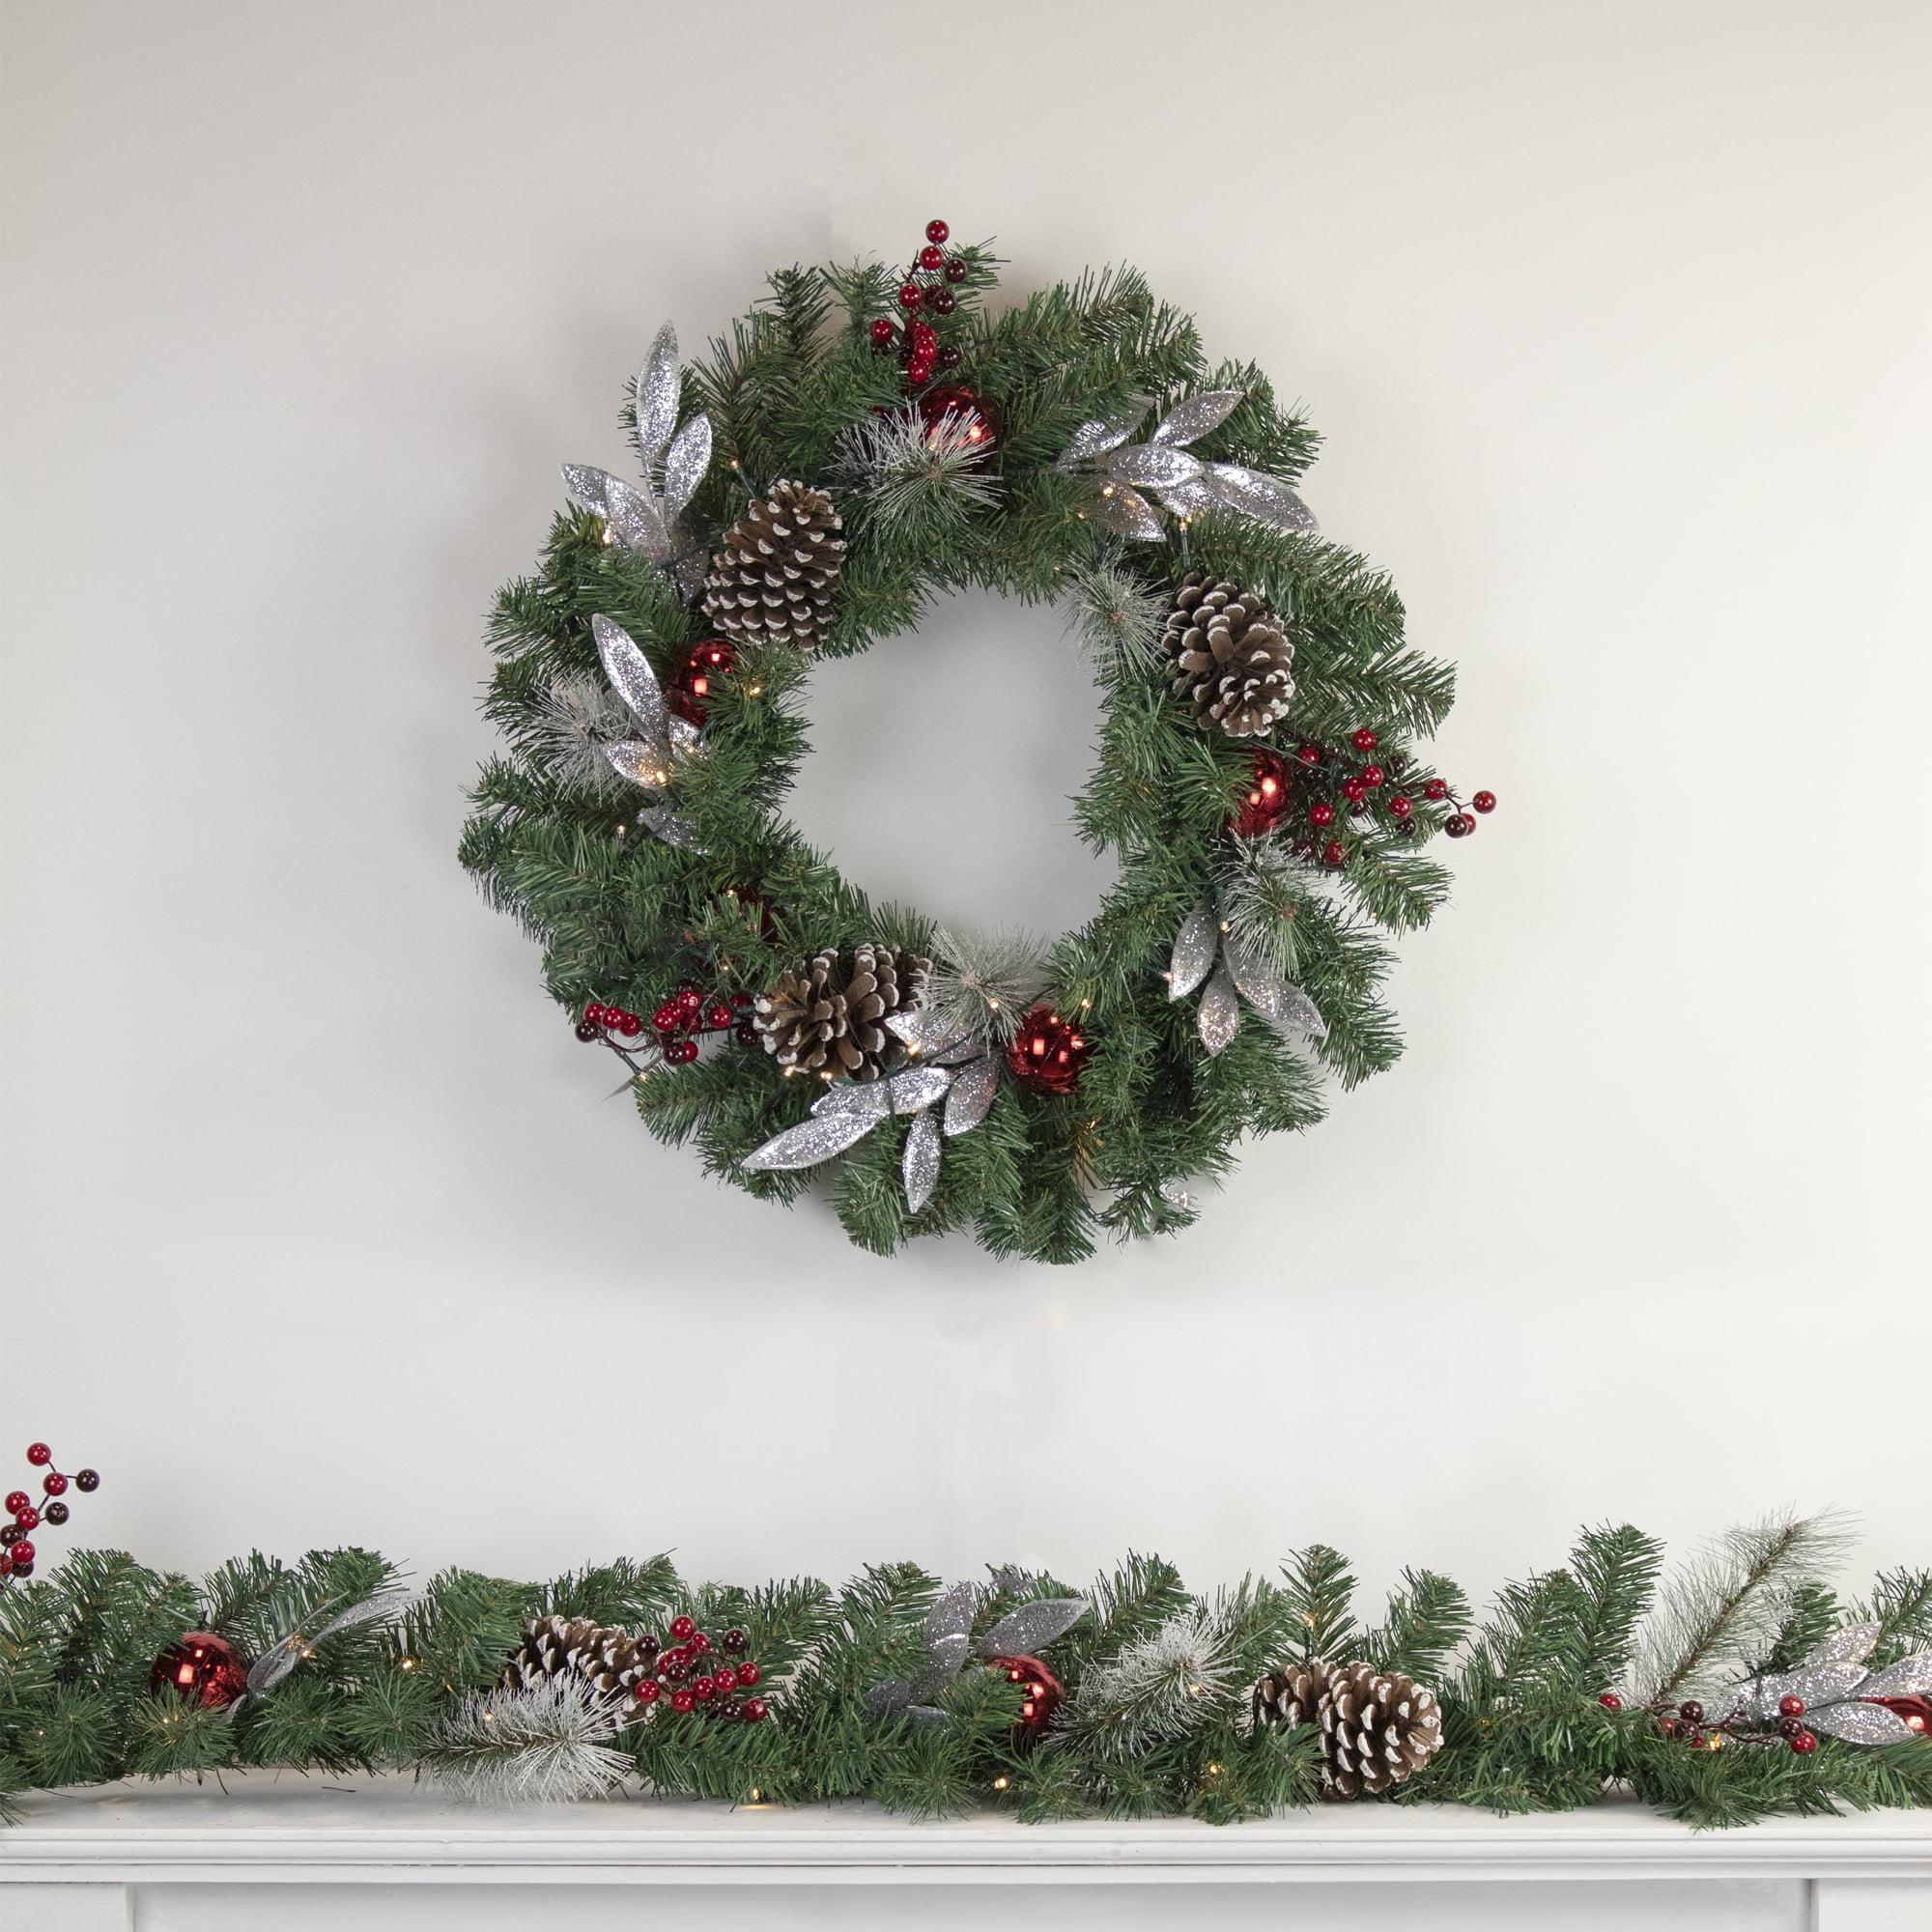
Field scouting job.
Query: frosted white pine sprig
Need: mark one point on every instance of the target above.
(981, 984)
(1262, 892)
(1162, 1688)
(574, 723)
(1119, 618)
(546, 1744)
(917, 476)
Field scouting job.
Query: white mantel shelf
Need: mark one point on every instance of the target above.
(281, 1829)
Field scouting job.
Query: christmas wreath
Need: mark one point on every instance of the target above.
(860, 442)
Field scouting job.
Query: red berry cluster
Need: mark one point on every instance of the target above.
(925, 292)
(1690, 1723)
(15, 1536)
(689, 1015)
(1048, 1054)
(598, 1021)
(688, 1675)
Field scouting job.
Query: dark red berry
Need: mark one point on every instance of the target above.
(1460, 826)
(740, 1001)
(1400, 804)
(734, 1641)
(10, 1534)
(941, 302)
(1332, 853)
(882, 332)
(57, 1514)
(1438, 788)
(936, 230)
(681, 1052)
(588, 1030)
(1365, 740)
(1690, 1711)
(1611, 1701)
(1485, 801)
(1308, 755)
(955, 269)
(756, 1710)
(909, 296)
(22, 1569)
(699, 1642)
(1790, 1727)
(745, 1033)
(931, 256)
(950, 358)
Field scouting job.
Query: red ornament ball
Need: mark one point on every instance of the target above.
(1485, 801)
(931, 257)
(1264, 802)
(1048, 1054)
(1365, 740)
(1611, 1701)
(39, 1454)
(694, 681)
(979, 421)
(936, 230)
(910, 296)
(1043, 1696)
(202, 1668)
(1791, 1706)
(1804, 1743)
(1915, 1711)
(1321, 814)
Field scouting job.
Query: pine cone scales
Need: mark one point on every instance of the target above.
(608, 1661)
(771, 579)
(1378, 1729)
(828, 1018)
(1231, 662)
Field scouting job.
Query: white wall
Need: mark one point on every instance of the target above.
(316, 1227)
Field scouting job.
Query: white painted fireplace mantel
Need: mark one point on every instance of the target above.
(276, 1852)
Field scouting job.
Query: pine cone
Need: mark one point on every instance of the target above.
(1378, 1729)
(772, 581)
(1231, 662)
(607, 1660)
(828, 1018)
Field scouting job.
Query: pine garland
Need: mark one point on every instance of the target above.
(1157, 1681)
(1002, 474)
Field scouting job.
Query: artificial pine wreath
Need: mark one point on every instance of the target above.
(858, 443)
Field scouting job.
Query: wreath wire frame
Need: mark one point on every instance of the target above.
(1088, 453)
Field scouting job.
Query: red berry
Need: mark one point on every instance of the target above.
(1332, 853)
(690, 998)
(740, 1001)
(38, 1453)
(909, 296)
(23, 1553)
(1690, 1711)
(705, 1689)
(22, 1569)
(1436, 788)
(920, 369)
(924, 335)
(937, 231)
(1791, 1706)
(27, 1519)
(1365, 740)
(682, 1701)
(1308, 755)
(630, 1026)
(17, 1500)
(88, 1481)
(748, 1674)
(681, 1052)
(699, 1642)
(745, 1033)
(1323, 813)
(756, 1710)
(1400, 804)
(931, 256)
(683, 1629)
(665, 1019)
(1485, 801)
(1354, 790)
(955, 269)
(1611, 1701)
(57, 1512)
(1804, 1743)
(882, 332)
(649, 1691)
(940, 301)
(724, 1677)
(717, 1014)
(55, 1483)
(1459, 825)
(588, 1030)
(1372, 776)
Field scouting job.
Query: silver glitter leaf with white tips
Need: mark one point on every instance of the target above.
(1220, 1016)
(970, 1097)
(1263, 498)
(1195, 416)
(657, 397)
(1194, 947)
(872, 1099)
(811, 1142)
(1104, 433)
(685, 462)
(1032, 1627)
(1153, 466)
(1860, 1724)
(1129, 514)
(919, 1087)
(1910, 1677)
(922, 1162)
(1278, 1003)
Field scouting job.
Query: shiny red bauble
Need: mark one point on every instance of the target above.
(1915, 1711)
(1048, 1054)
(1266, 800)
(979, 422)
(1042, 1692)
(202, 1668)
(694, 683)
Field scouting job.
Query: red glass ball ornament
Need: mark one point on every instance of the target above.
(955, 269)
(202, 1668)
(1372, 776)
(1321, 814)
(683, 1702)
(1048, 1054)
(1333, 853)
(910, 296)
(1401, 806)
(1365, 740)
(1485, 801)
(1611, 1701)
(17, 1500)
(979, 421)
(1791, 1706)
(694, 683)
(23, 1551)
(931, 257)
(882, 332)
(936, 230)
(1264, 802)
(28, 1518)
(748, 1674)
(39, 1454)
(1804, 1743)
(1916, 1712)
(757, 1710)
(683, 1629)
(54, 1483)
(1436, 788)
(1044, 1693)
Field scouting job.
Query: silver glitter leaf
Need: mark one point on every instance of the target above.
(872, 1099)
(1274, 999)
(1220, 1016)
(1153, 466)
(922, 1032)
(1850, 1645)
(811, 1142)
(926, 1714)
(1265, 498)
(1104, 433)
(1032, 1627)
(951, 1614)
(1860, 1724)
(673, 827)
(684, 736)
(1194, 497)
(1910, 1677)
(943, 1665)
(586, 486)
(887, 1697)
(657, 397)
(643, 764)
(1814, 1683)
(919, 1087)
(958, 1052)
(970, 1097)
(1195, 416)
(921, 1165)
(1194, 947)
(1129, 514)
(685, 462)
(633, 680)
(630, 518)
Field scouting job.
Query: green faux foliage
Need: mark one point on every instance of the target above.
(1527, 1725)
(565, 844)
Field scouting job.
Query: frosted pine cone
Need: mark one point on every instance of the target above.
(606, 1660)
(1231, 662)
(1378, 1729)
(773, 573)
(828, 1018)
